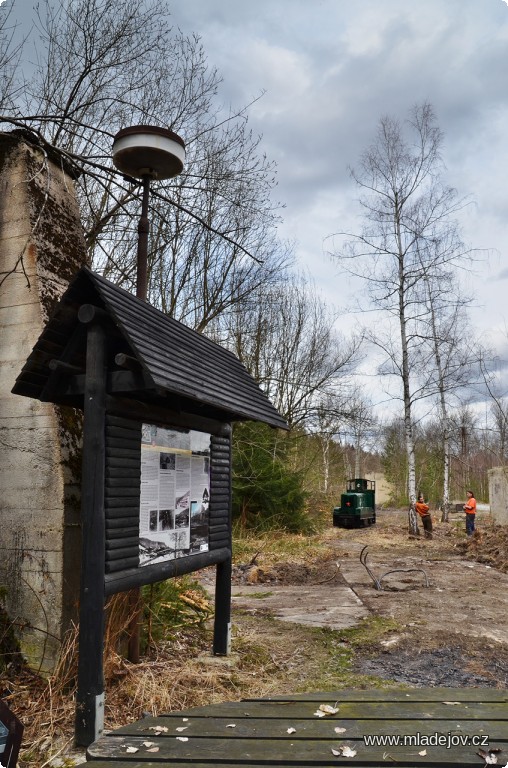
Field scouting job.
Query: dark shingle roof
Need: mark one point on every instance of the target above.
(175, 358)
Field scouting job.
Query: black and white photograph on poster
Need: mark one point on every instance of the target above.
(200, 503)
(175, 493)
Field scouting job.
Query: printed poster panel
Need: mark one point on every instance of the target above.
(175, 493)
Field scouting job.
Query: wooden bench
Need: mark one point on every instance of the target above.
(286, 731)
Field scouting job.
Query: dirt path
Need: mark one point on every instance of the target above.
(453, 632)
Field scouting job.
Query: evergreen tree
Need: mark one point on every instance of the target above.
(266, 492)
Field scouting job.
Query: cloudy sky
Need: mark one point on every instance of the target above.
(329, 69)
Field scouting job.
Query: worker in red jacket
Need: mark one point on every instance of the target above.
(470, 510)
(423, 510)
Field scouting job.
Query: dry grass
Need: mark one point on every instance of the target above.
(176, 673)
(46, 706)
(279, 546)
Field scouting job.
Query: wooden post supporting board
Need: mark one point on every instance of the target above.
(90, 694)
(222, 622)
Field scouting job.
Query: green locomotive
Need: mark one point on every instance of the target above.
(357, 505)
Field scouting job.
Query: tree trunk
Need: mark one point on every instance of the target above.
(326, 461)
(445, 510)
(408, 425)
(358, 457)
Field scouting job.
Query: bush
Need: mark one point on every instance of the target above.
(267, 494)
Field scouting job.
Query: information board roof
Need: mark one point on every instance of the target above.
(172, 358)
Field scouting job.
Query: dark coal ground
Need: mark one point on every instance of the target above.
(450, 667)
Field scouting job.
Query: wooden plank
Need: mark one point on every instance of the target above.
(315, 728)
(119, 462)
(129, 496)
(129, 432)
(404, 694)
(122, 564)
(122, 421)
(123, 491)
(219, 516)
(122, 533)
(123, 542)
(125, 480)
(286, 751)
(122, 522)
(368, 710)
(111, 502)
(222, 620)
(219, 524)
(220, 498)
(112, 443)
(174, 764)
(126, 510)
(125, 453)
(121, 552)
(123, 471)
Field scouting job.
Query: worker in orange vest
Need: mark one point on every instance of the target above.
(470, 510)
(423, 510)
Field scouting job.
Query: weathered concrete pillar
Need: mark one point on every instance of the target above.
(41, 247)
(498, 494)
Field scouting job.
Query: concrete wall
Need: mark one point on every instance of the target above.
(41, 246)
(498, 494)
(383, 487)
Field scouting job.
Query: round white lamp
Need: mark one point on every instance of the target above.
(146, 150)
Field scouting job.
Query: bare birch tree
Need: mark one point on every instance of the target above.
(287, 340)
(407, 209)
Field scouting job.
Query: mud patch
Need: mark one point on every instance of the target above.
(324, 571)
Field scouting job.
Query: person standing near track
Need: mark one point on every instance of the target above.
(423, 510)
(470, 510)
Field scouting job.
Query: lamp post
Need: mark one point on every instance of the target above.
(147, 152)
